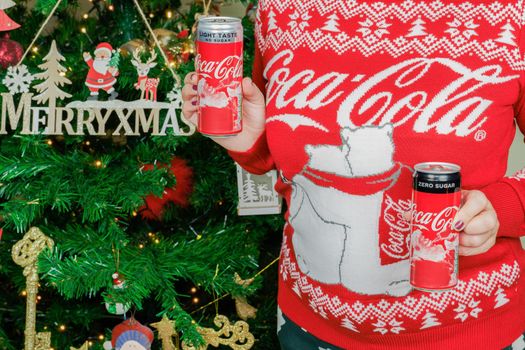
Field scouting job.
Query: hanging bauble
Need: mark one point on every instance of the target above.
(112, 306)
(164, 36)
(251, 12)
(115, 308)
(10, 52)
(183, 34)
(131, 46)
(131, 335)
(179, 195)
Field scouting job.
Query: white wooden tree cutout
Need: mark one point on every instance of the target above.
(5, 4)
(257, 195)
(54, 76)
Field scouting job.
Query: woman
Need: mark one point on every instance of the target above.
(356, 91)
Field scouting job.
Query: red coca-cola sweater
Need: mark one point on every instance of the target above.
(357, 93)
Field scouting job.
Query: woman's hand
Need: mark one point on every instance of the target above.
(253, 113)
(477, 223)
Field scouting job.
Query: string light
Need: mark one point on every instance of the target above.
(197, 235)
(134, 213)
(151, 234)
(85, 16)
(98, 163)
(169, 14)
(195, 300)
(62, 327)
(111, 7)
(38, 297)
(141, 246)
(90, 343)
(193, 290)
(101, 337)
(24, 293)
(83, 30)
(157, 241)
(87, 143)
(151, 15)
(35, 49)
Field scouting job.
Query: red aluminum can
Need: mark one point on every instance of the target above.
(434, 244)
(219, 65)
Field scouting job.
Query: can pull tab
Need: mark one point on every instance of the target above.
(437, 167)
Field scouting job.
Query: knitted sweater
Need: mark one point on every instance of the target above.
(357, 93)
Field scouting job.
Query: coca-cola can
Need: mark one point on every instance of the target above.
(434, 243)
(219, 65)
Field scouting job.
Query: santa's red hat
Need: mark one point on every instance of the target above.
(104, 47)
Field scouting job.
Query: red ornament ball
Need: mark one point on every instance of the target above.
(179, 195)
(131, 334)
(10, 52)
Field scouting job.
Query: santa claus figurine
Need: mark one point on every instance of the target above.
(101, 75)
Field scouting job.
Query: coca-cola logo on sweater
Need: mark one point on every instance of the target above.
(403, 93)
(228, 67)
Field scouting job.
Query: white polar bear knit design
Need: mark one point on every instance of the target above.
(336, 234)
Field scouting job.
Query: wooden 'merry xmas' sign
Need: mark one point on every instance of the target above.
(37, 112)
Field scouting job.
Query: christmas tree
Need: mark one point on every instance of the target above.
(142, 225)
(507, 36)
(418, 28)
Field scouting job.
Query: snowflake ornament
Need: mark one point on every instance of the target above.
(18, 79)
(175, 96)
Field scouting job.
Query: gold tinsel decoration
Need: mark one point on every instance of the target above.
(25, 253)
(166, 329)
(244, 310)
(236, 336)
(131, 46)
(43, 341)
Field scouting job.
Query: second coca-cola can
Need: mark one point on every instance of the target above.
(434, 243)
(219, 65)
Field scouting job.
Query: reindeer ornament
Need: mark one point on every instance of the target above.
(147, 86)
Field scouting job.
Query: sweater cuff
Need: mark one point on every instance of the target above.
(257, 160)
(508, 207)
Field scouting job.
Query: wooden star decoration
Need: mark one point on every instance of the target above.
(84, 346)
(166, 329)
